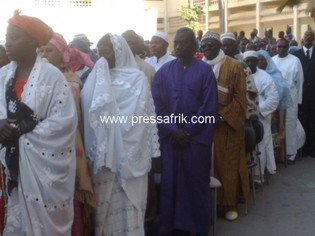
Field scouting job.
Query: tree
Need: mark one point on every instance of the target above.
(190, 15)
(292, 3)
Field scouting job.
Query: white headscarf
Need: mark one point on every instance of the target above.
(216, 63)
(122, 91)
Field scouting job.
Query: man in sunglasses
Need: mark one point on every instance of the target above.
(292, 72)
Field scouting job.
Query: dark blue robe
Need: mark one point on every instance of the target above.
(185, 194)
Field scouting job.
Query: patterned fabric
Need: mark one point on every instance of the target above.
(114, 207)
(72, 58)
(84, 194)
(26, 120)
(229, 152)
(42, 204)
(122, 149)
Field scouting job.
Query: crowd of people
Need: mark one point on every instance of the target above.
(106, 144)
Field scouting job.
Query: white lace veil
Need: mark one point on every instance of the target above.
(124, 148)
(123, 55)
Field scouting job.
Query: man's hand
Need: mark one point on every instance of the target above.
(8, 130)
(180, 138)
(218, 119)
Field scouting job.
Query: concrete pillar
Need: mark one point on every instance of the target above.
(222, 15)
(296, 31)
(259, 26)
(226, 14)
(166, 16)
(206, 15)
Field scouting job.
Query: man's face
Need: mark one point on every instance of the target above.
(252, 63)
(282, 48)
(308, 39)
(210, 48)
(158, 47)
(229, 47)
(184, 47)
(132, 45)
(243, 46)
(18, 43)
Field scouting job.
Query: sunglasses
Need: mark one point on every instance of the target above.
(282, 46)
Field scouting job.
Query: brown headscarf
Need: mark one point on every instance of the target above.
(33, 26)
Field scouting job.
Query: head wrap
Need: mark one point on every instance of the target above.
(227, 35)
(123, 55)
(72, 58)
(211, 35)
(33, 26)
(161, 35)
(250, 53)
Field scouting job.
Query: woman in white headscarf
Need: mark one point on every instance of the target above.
(119, 152)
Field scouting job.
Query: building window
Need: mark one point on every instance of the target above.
(73, 3)
(160, 20)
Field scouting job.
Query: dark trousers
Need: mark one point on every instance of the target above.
(151, 214)
(307, 119)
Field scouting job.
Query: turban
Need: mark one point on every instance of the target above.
(211, 35)
(161, 35)
(250, 53)
(228, 35)
(34, 27)
(72, 58)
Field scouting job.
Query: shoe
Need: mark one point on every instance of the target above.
(231, 215)
(258, 180)
(272, 172)
(291, 162)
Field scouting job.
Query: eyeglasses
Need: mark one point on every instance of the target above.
(279, 46)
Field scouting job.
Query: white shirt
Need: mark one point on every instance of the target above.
(268, 93)
(158, 63)
(292, 72)
(309, 49)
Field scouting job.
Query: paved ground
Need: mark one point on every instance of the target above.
(285, 207)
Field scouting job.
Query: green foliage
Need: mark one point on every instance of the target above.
(190, 15)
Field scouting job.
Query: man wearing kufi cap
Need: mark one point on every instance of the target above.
(37, 131)
(229, 152)
(158, 48)
(229, 44)
(230, 48)
(268, 103)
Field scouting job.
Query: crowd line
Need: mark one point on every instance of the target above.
(68, 170)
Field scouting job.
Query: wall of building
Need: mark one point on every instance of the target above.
(241, 15)
(101, 17)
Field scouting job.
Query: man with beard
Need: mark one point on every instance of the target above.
(229, 152)
(185, 86)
